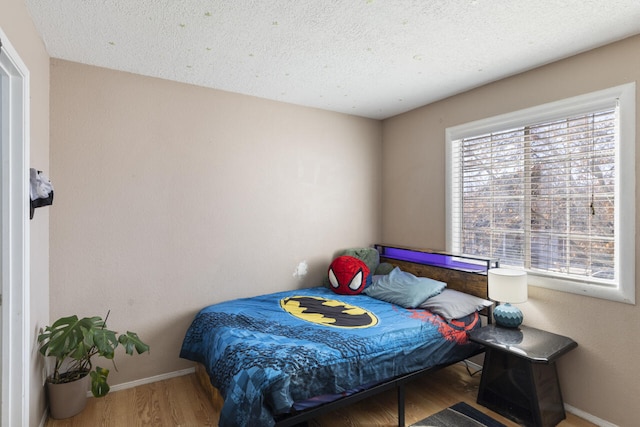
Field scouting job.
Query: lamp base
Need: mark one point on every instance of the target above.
(508, 316)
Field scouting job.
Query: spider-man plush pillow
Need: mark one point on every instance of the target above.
(348, 275)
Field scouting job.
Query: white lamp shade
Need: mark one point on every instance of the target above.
(507, 285)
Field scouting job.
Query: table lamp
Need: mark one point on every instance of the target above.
(507, 286)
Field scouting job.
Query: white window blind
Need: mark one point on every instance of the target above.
(542, 196)
(547, 189)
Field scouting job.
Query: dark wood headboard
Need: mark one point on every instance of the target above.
(463, 273)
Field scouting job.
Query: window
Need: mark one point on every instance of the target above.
(550, 190)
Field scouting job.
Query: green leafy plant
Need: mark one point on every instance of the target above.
(73, 342)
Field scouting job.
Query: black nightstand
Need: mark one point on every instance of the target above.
(519, 377)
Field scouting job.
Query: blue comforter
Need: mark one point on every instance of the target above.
(265, 353)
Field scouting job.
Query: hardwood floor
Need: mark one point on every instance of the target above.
(181, 401)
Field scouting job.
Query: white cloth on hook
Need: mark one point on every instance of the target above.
(40, 190)
(41, 187)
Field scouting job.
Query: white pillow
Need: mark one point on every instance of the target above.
(452, 304)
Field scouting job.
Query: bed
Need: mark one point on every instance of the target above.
(283, 358)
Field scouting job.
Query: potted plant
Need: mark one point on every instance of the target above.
(73, 343)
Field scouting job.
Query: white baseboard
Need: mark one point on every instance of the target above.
(473, 365)
(150, 380)
(45, 417)
(586, 416)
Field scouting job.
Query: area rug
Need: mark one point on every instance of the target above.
(459, 415)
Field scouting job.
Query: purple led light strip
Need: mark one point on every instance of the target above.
(430, 258)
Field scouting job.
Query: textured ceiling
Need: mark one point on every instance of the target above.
(372, 58)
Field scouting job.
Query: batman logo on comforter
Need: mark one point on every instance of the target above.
(329, 312)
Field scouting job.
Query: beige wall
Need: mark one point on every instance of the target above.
(17, 25)
(600, 377)
(170, 197)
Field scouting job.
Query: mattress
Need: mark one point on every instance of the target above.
(268, 352)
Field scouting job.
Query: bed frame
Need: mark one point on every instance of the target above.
(462, 273)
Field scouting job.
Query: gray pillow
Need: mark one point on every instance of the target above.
(403, 288)
(452, 304)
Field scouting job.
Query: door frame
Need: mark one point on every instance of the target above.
(14, 220)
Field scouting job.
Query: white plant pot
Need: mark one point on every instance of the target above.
(67, 399)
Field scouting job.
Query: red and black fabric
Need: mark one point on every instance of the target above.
(348, 275)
